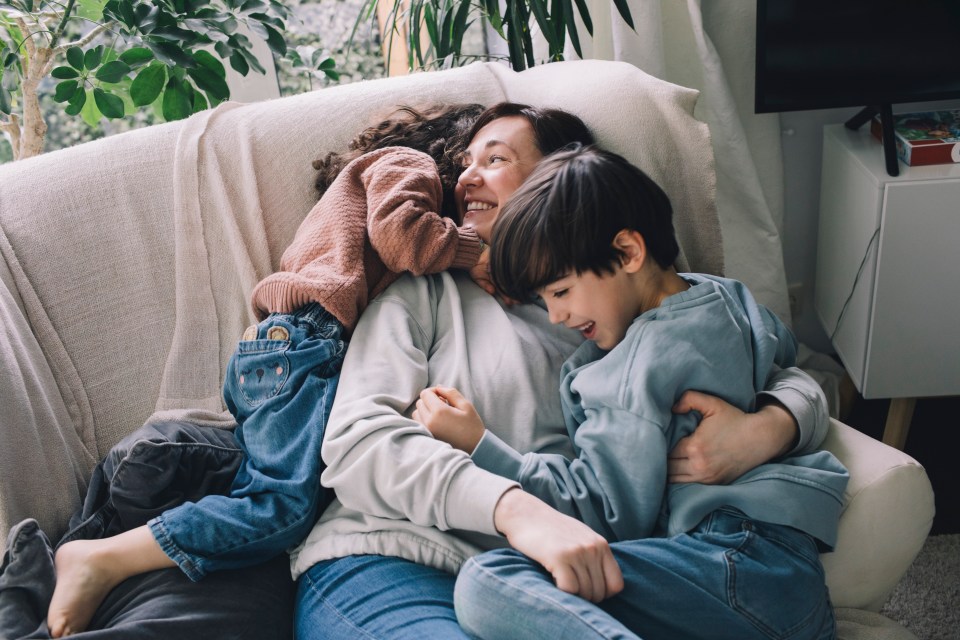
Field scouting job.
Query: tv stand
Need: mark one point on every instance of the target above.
(886, 125)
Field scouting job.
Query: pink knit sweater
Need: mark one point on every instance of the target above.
(378, 219)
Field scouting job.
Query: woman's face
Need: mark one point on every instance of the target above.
(498, 160)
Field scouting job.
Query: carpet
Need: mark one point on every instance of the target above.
(927, 599)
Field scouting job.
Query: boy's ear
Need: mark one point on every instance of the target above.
(633, 248)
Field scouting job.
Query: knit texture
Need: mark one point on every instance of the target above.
(378, 219)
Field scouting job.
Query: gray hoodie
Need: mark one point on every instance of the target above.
(402, 493)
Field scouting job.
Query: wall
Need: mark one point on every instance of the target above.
(802, 140)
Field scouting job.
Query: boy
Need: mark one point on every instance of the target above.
(592, 235)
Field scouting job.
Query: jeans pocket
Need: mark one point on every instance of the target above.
(261, 369)
(781, 589)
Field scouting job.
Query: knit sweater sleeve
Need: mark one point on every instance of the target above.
(404, 195)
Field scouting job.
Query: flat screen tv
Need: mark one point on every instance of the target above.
(819, 54)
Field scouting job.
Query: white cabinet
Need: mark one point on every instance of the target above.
(888, 269)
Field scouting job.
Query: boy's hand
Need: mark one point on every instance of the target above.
(450, 417)
(578, 558)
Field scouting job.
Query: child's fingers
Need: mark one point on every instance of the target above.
(453, 397)
(433, 399)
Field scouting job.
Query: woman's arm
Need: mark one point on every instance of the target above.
(381, 462)
(792, 417)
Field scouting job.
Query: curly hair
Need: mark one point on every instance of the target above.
(440, 131)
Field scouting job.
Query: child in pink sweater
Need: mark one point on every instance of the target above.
(380, 216)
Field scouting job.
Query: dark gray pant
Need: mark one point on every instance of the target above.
(254, 603)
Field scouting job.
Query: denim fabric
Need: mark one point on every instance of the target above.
(155, 468)
(730, 578)
(256, 602)
(375, 597)
(280, 388)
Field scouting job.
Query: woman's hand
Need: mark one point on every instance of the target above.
(450, 417)
(480, 273)
(578, 558)
(728, 442)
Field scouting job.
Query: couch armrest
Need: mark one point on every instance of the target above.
(887, 516)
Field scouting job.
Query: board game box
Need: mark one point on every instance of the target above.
(927, 137)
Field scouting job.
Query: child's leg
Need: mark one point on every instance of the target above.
(87, 570)
(729, 579)
(280, 388)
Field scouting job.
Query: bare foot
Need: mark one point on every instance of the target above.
(84, 578)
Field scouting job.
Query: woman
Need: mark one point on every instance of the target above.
(410, 509)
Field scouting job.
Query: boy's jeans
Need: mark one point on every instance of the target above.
(730, 578)
(279, 386)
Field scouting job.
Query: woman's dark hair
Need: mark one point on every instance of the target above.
(565, 216)
(440, 131)
(553, 129)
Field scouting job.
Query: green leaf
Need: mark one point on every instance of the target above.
(90, 113)
(199, 102)
(76, 103)
(65, 90)
(210, 82)
(64, 73)
(572, 28)
(5, 100)
(253, 5)
(177, 101)
(91, 59)
(91, 10)
(223, 50)
(75, 58)
(136, 56)
(170, 54)
(206, 59)
(275, 41)
(8, 58)
(252, 60)
(147, 85)
(585, 15)
(327, 64)
(624, 10)
(239, 63)
(110, 105)
(113, 71)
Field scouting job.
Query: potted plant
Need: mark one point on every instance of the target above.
(111, 58)
(431, 32)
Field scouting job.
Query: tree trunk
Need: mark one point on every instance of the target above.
(34, 127)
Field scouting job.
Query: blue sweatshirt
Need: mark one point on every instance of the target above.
(713, 338)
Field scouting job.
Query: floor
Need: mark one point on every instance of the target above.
(934, 441)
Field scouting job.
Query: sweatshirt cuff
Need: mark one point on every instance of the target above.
(472, 499)
(496, 456)
(806, 413)
(469, 248)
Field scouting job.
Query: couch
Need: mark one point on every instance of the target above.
(126, 264)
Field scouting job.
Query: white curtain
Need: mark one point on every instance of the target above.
(710, 45)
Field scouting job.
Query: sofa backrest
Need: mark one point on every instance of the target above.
(127, 262)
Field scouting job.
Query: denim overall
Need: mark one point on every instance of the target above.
(279, 385)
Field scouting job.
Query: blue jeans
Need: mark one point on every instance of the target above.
(375, 597)
(730, 578)
(279, 385)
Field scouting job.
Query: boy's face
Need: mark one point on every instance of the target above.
(498, 160)
(601, 307)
